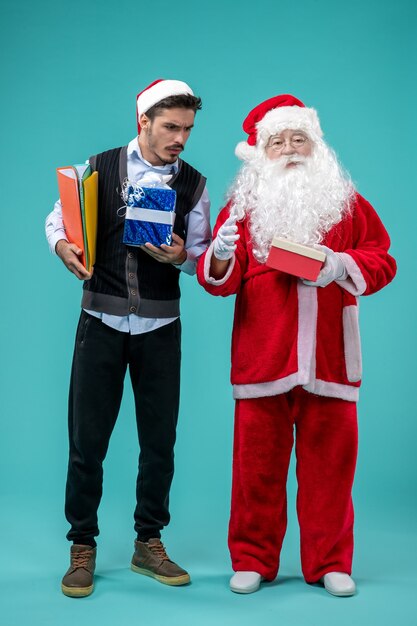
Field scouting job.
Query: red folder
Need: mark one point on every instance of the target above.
(71, 211)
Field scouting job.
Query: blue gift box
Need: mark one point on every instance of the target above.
(150, 215)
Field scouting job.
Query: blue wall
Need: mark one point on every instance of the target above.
(71, 72)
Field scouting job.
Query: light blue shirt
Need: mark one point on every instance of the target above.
(198, 238)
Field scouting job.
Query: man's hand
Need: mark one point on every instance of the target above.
(175, 254)
(333, 269)
(69, 253)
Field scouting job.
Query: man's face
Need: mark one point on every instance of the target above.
(163, 139)
(289, 143)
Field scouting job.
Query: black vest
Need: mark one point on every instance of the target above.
(126, 279)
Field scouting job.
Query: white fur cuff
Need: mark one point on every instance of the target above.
(207, 262)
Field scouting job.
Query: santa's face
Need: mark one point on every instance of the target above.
(292, 188)
(162, 139)
(289, 146)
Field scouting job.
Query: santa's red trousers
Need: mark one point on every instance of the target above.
(326, 451)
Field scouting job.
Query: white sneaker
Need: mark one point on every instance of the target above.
(245, 582)
(339, 584)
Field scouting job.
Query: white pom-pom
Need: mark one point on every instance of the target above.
(244, 151)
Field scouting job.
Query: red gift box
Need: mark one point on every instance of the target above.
(296, 259)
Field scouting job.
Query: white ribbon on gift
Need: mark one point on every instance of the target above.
(150, 215)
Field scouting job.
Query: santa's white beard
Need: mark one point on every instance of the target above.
(299, 203)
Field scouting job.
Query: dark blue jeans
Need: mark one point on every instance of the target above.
(101, 357)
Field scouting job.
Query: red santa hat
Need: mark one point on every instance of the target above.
(272, 117)
(157, 91)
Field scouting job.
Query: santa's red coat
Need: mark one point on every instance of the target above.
(286, 333)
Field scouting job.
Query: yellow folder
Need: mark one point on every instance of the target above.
(91, 216)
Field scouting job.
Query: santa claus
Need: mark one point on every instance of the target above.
(296, 359)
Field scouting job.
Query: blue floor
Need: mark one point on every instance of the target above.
(385, 572)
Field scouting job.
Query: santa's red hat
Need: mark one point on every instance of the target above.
(272, 117)
(157, 91)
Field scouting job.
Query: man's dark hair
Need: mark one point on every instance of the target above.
(183, 101)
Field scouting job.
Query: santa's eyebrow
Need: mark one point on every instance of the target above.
(294, 132)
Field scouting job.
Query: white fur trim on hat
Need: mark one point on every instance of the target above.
(163, 89)
(292, 117)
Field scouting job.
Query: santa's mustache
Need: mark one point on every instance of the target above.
(271, 168)
(292, 158)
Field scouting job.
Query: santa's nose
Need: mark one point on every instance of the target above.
(288, 148)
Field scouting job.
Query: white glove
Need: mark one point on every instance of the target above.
(333, 269)
(225, 242)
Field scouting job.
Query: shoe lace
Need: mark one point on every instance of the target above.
(81, 559)
(158, 550)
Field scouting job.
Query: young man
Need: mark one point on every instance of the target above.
(296, 359)
(130, 318)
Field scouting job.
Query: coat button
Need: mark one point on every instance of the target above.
(133, 292)
(132, 309)
(131, 275)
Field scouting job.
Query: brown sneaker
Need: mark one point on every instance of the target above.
(151, 559)
(78, 581)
